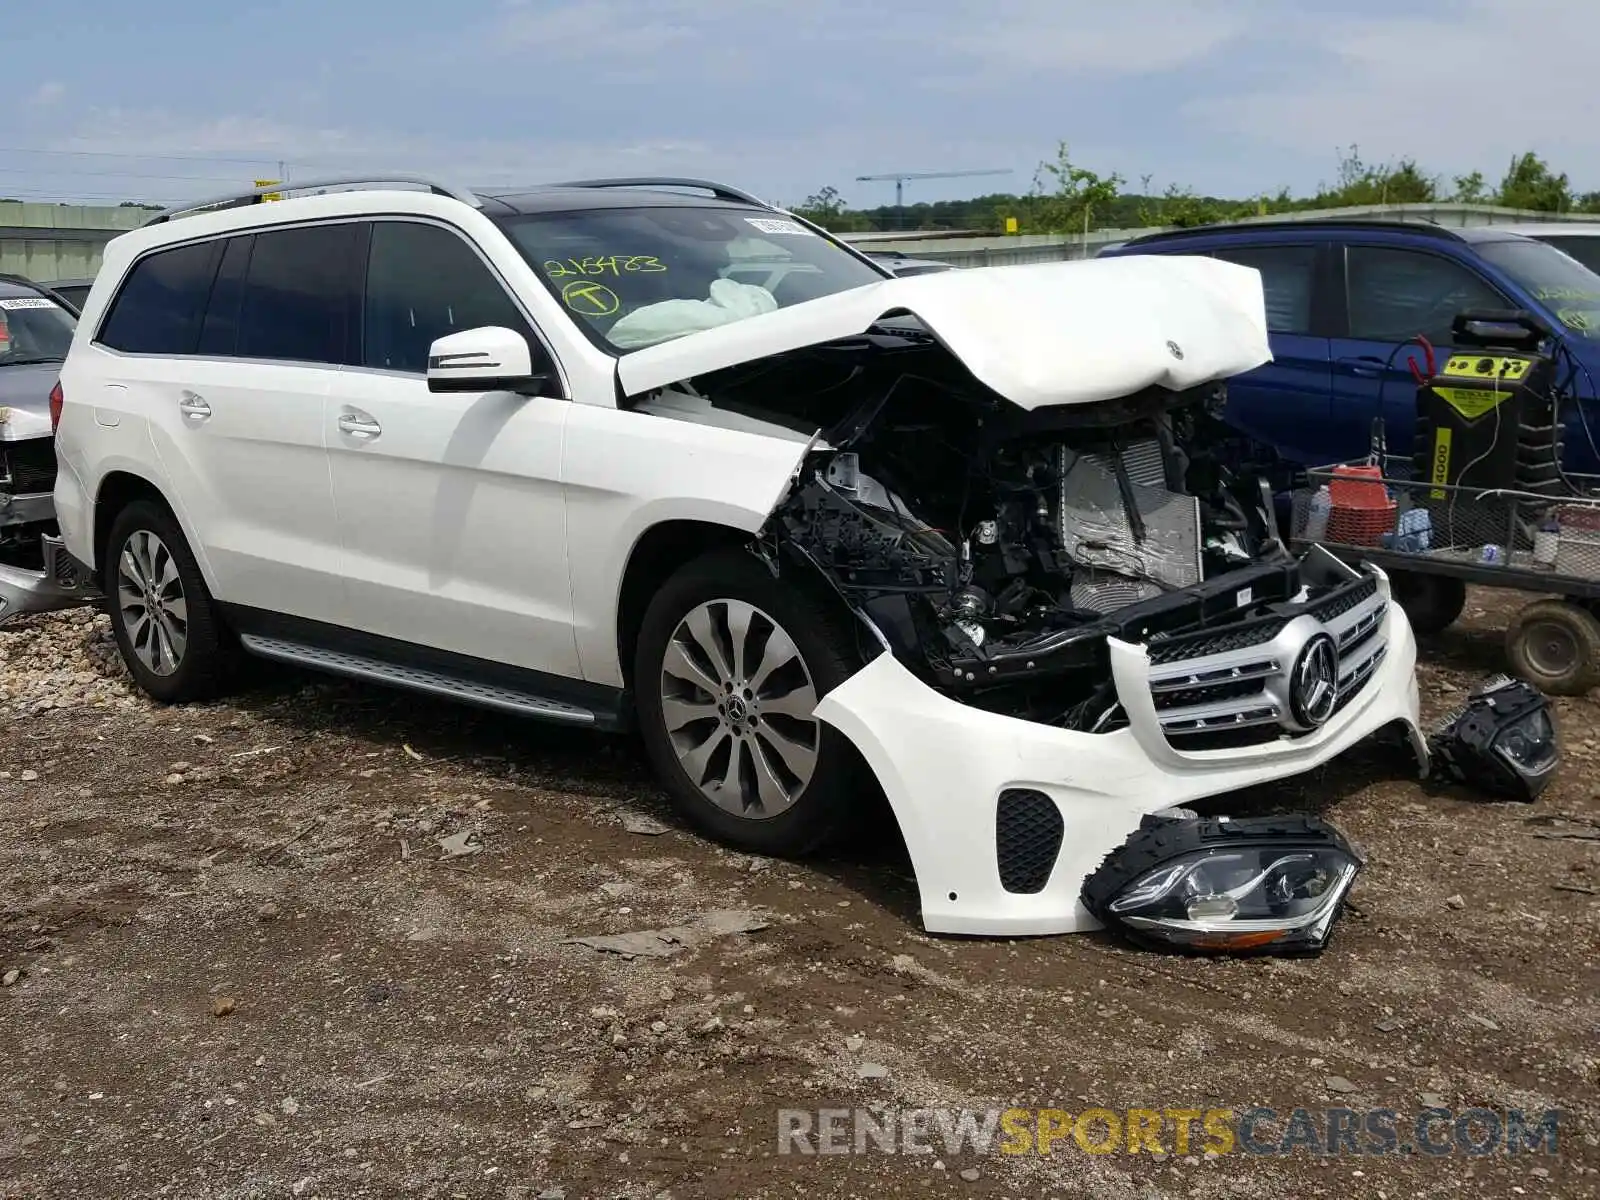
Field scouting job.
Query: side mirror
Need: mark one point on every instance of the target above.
(488, 359)
(1491, 328)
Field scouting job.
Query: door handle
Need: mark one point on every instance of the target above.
(193, 407)
(359, 425)
(1367, 368)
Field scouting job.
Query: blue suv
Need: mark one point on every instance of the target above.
(1345, 297)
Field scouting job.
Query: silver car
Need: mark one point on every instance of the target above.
(35, 331)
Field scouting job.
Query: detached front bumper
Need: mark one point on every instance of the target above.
(1004, 818)
(64, 582)
(29, 508)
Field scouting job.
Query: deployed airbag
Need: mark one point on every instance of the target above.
(729, 301)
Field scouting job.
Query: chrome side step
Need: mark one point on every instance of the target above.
(416, 679)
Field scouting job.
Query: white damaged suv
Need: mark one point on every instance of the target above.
(653, 454)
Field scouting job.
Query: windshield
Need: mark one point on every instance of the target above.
(33, 329)
(1563, 285)
(1585, 249)
(633, 277)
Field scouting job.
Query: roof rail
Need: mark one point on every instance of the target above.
(1427, 228)
(721, 191)
(256, 195)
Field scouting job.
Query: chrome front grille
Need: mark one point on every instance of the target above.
(1232, 694)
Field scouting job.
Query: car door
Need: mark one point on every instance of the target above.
(1286, 403)
(239, 337)
(1392, 294)
(450, 506)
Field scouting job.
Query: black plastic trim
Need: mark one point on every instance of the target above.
(612, 707)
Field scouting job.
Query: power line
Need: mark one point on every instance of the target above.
(60, 174)
(207, 158)
(63, 197)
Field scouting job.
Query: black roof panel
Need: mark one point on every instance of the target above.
(14, 287)
(556, 198)
(1469, 233)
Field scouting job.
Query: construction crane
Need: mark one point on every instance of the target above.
(900, 178)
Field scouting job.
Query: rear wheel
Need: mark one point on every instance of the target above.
(729, 665)
(1555, 645)
(165, 621)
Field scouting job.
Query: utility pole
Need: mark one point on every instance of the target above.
(900, 177)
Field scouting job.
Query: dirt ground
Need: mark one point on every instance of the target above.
(238, 961)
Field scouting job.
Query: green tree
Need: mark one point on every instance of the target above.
(1470, 189)
(1066, 197)
(1361, 182)
(1529, 183)
(827, 208)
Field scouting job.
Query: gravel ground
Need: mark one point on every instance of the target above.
(317, 942)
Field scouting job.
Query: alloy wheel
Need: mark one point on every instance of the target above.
(155, 615)
(737, 700)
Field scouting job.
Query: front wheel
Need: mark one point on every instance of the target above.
(165, 621)
(729, 666)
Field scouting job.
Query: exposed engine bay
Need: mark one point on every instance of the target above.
(996, 549)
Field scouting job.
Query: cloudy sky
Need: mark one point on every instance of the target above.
(173, 99)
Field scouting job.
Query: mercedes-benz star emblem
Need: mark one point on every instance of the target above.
(1174, 349)
(1314, 682)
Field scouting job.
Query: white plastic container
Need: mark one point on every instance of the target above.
(1546, 545)
(1317, 521)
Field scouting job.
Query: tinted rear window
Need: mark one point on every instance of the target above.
(297, 294)
(161, 303)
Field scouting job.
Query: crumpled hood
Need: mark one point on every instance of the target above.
(25, 399)
(1039, 335)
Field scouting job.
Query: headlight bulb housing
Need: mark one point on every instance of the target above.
(1502, 741)
(1272, 885)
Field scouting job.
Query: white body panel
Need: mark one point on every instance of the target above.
(452, 519)
(249, 481)
(1041, 334)
(627, 472)
(943, 766)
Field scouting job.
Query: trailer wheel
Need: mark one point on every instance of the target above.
(1555, 645)
(1431, 602)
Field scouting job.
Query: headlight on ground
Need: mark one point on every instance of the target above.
(1502, 741)
(1271, 885)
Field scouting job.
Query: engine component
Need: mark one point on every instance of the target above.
(1503, 741)
(967, 610)
(1110, 520)
(1106, 591)
(1273, 885)
(868, 545)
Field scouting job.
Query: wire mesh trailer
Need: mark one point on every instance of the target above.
(1435, 538)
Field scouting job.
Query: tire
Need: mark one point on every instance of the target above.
(1555, 645)
(1431, 602)
(196, 656)
(765, 793)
